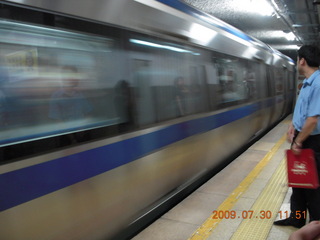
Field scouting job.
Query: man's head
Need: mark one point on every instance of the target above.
(308, 60)
(311, 54)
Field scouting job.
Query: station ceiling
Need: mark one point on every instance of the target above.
(283, 24)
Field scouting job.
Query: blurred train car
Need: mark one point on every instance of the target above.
(111, 109)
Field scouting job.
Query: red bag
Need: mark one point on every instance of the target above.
(302, 169)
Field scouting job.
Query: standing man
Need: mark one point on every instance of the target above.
(304, 132)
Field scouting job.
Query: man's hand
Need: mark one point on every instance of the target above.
(290, 133)
(310, 231)
(296, 147)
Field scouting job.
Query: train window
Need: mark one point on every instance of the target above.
(235, 80)
(53, 82)
(168, 79)
(60, 87)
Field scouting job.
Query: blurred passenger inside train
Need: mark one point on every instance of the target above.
(123, 102)
(181, 92)
(69, 106)
(68, 103)
(3, 99)
(229, 90)
(195, 95)
(250, 84)
(30, 62)
(3, 108)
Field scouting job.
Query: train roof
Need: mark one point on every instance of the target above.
(171, 19)
(221, 25)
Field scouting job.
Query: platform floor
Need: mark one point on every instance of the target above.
(240, 202)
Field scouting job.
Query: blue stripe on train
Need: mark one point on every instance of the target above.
(25, 184)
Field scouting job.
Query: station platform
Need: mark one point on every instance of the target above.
(240, 202)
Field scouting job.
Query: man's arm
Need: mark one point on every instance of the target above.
(309, 125)
(290, 133)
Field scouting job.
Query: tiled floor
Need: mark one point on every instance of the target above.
(182, 221)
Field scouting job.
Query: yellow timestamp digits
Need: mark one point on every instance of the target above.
(250, 214)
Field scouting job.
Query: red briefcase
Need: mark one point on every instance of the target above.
(302, 169)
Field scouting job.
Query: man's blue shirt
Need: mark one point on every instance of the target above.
(308, 103)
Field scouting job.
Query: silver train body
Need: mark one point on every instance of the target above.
(109, 108)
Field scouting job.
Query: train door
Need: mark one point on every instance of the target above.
(204, 88)
(286, 96)
(263, 91)
(270, 103)
(291, 95)
(142, 82)
(256, 85)
(279, 93)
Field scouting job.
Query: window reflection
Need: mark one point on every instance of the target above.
(236, 79)
(69, 103)
(279, 78)
(181, 92)
(63, 82)
(54, 82)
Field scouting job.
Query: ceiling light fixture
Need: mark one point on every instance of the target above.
(290, 36)
(286, 47)
(261, 7)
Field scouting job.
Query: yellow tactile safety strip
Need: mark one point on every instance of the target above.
(265, 209)
(204, 231)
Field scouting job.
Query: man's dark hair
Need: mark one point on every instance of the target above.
(311, 54)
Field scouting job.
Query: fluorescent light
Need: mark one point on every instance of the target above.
(285, 47)
(167, 47)
(155, 45)
(261, 7)
(290, 36)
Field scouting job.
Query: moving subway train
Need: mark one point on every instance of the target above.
(109, 110)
